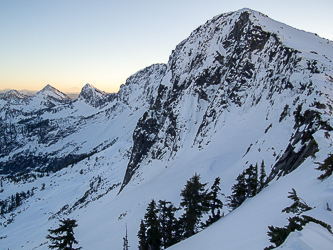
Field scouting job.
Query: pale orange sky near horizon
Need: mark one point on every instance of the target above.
(70, 43)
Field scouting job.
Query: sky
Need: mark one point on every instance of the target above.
(68, 43)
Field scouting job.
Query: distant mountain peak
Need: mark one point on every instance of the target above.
(48, 87)
(89, 86)
(52, 92)
(91, 95)
(13, 94)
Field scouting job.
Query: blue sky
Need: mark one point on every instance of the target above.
(68, 43)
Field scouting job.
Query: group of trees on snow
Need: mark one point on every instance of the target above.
(249, 184)
(160, 228)
(8, 205)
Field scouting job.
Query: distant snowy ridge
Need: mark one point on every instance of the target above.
(241, 90)
(50, 117)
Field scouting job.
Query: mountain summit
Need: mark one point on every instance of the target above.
(237, 61)
(52, 92)
(91, 95)
(13, 94)
(49, 97)
(242, 92)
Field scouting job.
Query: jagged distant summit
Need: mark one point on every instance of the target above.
(13, 94)
(92, 95)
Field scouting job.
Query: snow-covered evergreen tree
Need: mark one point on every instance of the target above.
(251, 180)
(142, 236)
(239, 192)
(327, 167)
(125, 243)
(154, 236)
(195, 201)
(262, 177)
(168, 223)
(215, 203)
(299, 206)
(63, 238)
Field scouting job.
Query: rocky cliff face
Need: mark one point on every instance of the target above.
(236, 60)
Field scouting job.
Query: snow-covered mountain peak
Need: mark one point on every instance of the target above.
(309, 44)
(244, 30)
(234, 61)
(52, 92)
(48, 87)
(48, 97)
(12, 97)
(91, 95)
(13, 94)
(88, 86)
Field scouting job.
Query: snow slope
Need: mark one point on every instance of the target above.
(240, 90)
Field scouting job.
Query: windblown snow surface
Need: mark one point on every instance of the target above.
(242, 135)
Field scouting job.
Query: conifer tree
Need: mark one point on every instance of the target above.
(64, 235)
(299, 206)
(262, 177)
(154, 236)
(125, 244)
(239, 192)
(18, 200)
(168, 223)
(162, 206)
(279, 234)
(179, 230)
(251, 180)
(327, 167)
(195, 201)
(142, 236)
(215, 203)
